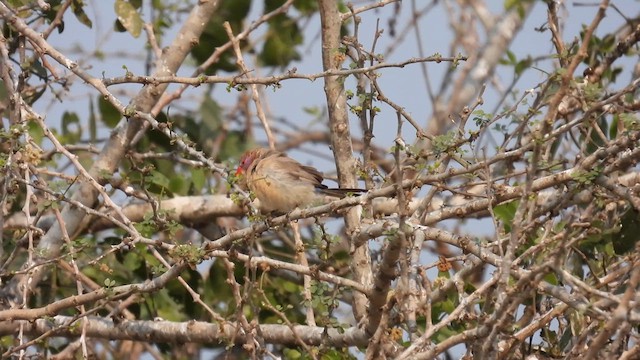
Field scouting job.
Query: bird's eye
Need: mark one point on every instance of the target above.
(245, 162)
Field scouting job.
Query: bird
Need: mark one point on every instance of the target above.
(282, 184)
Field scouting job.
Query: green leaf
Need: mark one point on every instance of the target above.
(551, 278)
(629, 233)
(178, 185)
(198, 179)
(110, 115)
(71, 128)
(132, 261)
(93, 126)
(509, 4)
(505, 213)
(129, 17)
(629, 120)
(211, 113)
(23, 4)
(306, 7)
(158, 178)
(118, 27)
(78, 11)
(522, 65)
(167, 307)
(282, 38)
(292, 354)
(613, 127)
(234, 144)
(593, 139)
(442, 143)
(35, 67)
(17, 3)
(233, 11)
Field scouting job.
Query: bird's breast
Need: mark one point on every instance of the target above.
(282, 195)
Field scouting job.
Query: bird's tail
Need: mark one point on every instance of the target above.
(340, 193)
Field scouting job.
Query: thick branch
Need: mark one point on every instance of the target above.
(332, 58)
(183, 332)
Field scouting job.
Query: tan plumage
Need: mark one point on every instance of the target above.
(280, 183)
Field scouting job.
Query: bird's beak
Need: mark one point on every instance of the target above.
(239, 171)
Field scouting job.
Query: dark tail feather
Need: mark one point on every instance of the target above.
(340, 193)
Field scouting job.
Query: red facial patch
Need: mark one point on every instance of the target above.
(245, 161)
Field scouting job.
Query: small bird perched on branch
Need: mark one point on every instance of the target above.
(281, 184)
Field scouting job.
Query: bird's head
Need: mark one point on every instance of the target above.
(246, 160)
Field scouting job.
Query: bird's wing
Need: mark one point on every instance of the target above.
(278, 165)
(312, 175)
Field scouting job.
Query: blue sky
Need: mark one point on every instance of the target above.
(404, 86)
